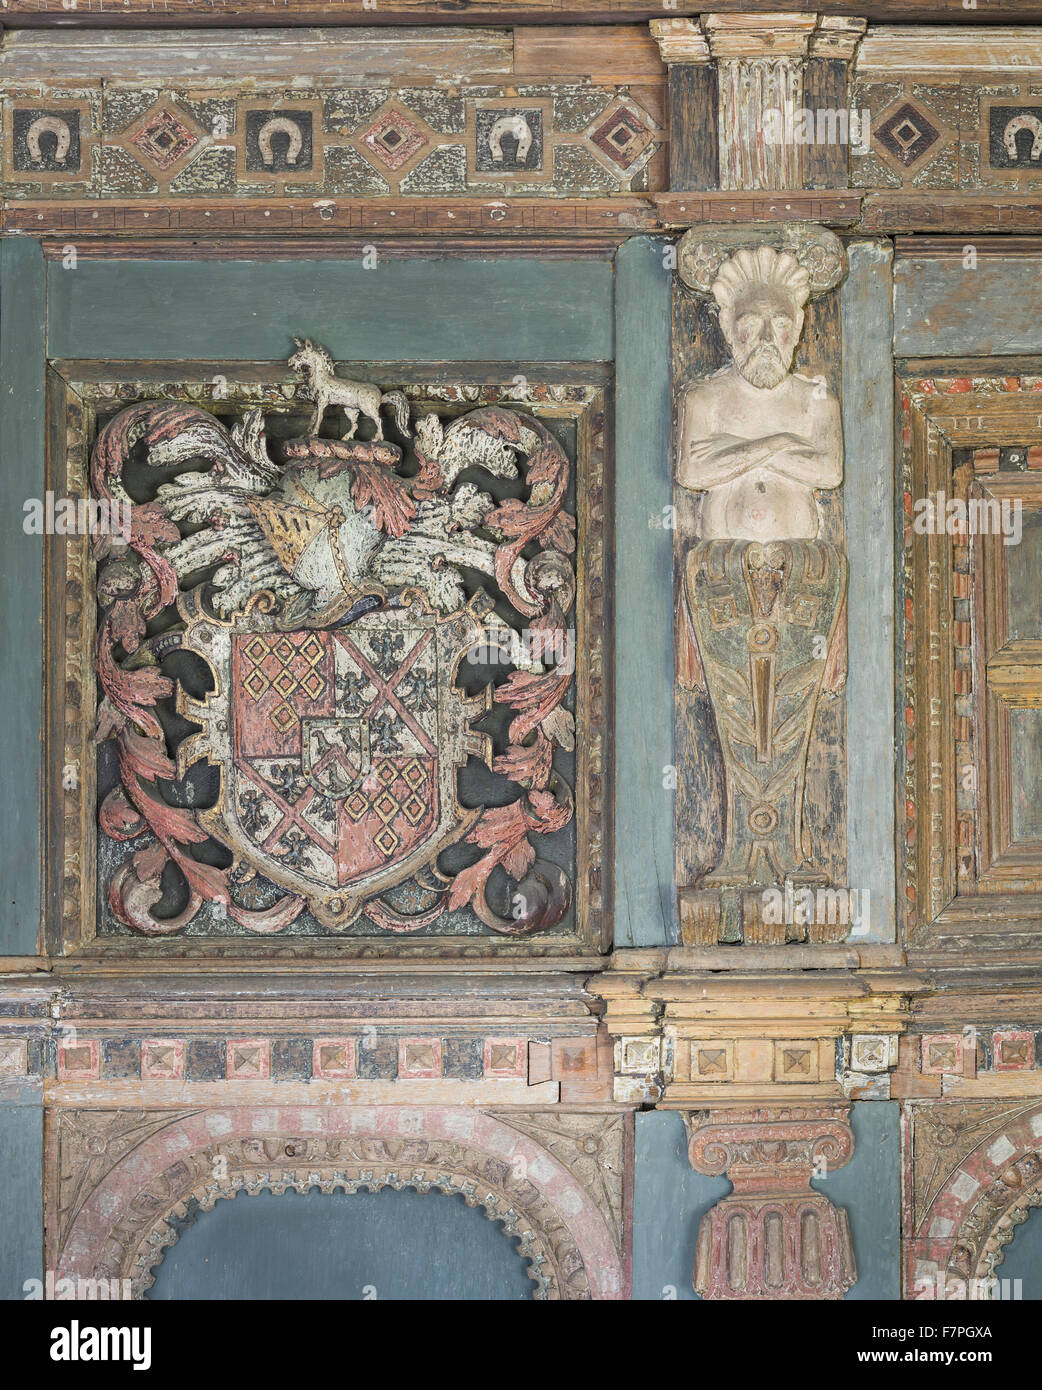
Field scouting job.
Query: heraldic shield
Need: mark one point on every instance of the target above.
(333, 750)
(280, 663)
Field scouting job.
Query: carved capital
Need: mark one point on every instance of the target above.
(768, 1151)
(680, 41)
(837, 37)
(773, 1237)
(785, 35)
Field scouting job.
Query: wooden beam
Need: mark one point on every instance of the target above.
(204, 13)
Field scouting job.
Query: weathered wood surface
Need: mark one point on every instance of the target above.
(21, 1197)
(22, 368)
(938, 52)
(550, 218)
(25, 13)
(368, 54)
(441, 217)
(953, 305)
(869, 501)
(644, 893)
(529, 310)
(693, 108)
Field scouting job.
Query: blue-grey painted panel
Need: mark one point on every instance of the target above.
(387, 1245)
(502, 310)
(22, 379)
(670, 1199)
(868, 500)
(869, 1187)
(1023, 1261)
(962, 306)
(21, 1199)
(645, 896)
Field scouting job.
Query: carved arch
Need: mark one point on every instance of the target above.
(123, 1228)
(975, 1212)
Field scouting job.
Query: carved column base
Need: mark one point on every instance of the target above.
(773, 1237)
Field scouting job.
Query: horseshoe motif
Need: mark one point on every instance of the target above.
(1017, 124)
(280, 125)
(516, 126)
(49, 125)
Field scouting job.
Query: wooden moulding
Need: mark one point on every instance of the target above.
(539, 219)
(117, 13)
(443, 54)
(967, 885)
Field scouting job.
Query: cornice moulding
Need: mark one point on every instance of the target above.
(925, 52)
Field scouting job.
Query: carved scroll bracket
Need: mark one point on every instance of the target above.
(773, 1237)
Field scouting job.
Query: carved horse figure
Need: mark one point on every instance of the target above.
(325, 388)
(1017, 124)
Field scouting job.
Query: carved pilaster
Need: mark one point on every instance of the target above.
(760, 62)
(774, 88)
(692, 103)
(773, 1237)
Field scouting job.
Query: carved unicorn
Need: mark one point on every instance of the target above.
(354, 397)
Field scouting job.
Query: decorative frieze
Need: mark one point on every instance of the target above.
(321, 139)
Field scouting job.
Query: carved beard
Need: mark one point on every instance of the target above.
(765, 367)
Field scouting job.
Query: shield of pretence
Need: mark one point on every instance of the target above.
(338, 749)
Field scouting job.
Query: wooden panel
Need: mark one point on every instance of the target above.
(21, 1198)
(282, 54)
(945, 308)
(825, 89)
(115, 12)
(693, 149)
(599, 52)
(868, 499)
(940, 52)
(531, 309)
(21, 587)
(322, 1245)
(966, 884)
(644, 896)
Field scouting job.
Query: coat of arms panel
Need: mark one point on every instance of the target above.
(349, 668)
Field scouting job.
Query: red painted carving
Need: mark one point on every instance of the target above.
(773, 1237)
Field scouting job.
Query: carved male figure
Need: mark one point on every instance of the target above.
(757, 438)
(763, 587)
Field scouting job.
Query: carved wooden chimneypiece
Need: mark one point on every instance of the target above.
(523, 592)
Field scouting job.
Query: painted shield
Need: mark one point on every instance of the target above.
(333, 785)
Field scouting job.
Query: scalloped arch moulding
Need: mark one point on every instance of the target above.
(120, 1228)
(974, 1215)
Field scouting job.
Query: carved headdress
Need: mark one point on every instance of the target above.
(763, 266)
(801, 259)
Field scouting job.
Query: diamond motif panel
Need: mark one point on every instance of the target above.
(394, 138)
(622, 137)
(164, 140)
(907, 134)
